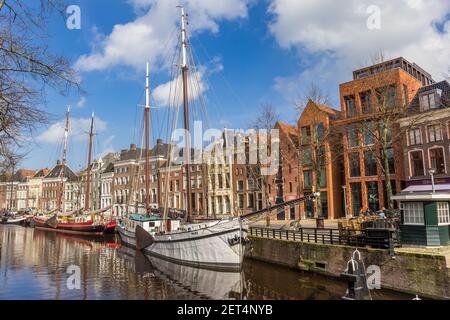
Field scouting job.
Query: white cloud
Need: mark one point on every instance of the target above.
(78, 129)
(164, 93)
(81, 103)
(329, 30)
(154, 32)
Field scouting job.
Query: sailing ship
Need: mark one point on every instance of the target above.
(217, 245)
(76, 222)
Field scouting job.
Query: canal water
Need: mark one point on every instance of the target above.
(37, 264)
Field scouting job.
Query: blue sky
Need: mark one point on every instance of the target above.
(251, 52)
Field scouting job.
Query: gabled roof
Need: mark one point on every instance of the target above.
(41, 173)
(68, 173)
(287, 128)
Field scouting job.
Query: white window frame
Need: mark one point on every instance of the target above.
(417, 213)
(443, 154)
(443, 212)
(413, 130)
(440, 130)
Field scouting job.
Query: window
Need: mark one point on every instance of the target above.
(324, 204)
(307, 179)
(356, 197)
(443, 213)
(290, 186)
(429, 101)
(391, 160)
(413, 213)
(250, 184)
(370, 164)
(323, 178)
(416, 160)
(434, 133)
(350, 106)
(353, 139)
(241, 201)
(437, 160)
(369, 134)
(320, 130)
(309, 208)
(306, 135)
(415, 136)
(250, 200)
(372, 195)
(240, 185)
(355, 170)
(366, 105)
(306, 156)
(292, 213)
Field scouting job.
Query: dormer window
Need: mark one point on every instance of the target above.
(430, 100)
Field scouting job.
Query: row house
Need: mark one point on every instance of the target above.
(427, 136)
(319, 159)
(251, 189)
(128, 181)
(51, 188)
(98, 166)
(106, 187)
(173, 184)
(218, 174)
(284, 185)
(14, 190)
(35, 189)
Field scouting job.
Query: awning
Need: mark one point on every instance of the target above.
(424, 192)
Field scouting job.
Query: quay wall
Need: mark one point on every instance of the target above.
(425, 274)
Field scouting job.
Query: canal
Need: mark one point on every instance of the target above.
(36, 264)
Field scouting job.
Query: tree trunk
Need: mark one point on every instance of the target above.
(388, 200)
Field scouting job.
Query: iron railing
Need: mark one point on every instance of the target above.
(376, 238)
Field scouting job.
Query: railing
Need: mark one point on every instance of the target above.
(376, 238)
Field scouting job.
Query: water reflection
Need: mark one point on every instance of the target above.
(33, 265)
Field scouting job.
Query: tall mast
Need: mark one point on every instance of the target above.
(63, 160)
(88, 178)
(187, 151)
(147, 138)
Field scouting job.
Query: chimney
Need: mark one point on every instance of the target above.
(159, 141)
(132, 146)
(58, 162)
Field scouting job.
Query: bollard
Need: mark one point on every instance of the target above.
(355, 276)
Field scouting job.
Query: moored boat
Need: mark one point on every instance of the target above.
(13, 219)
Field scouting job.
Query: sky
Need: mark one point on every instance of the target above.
(248, 53)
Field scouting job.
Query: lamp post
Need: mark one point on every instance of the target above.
(345, 201)
(431, 172)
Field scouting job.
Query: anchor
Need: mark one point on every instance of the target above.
(355, 276)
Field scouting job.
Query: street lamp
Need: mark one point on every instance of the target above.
(432, 172)
(345, 201)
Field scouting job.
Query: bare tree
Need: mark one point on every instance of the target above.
(383, 107)
(27, 69)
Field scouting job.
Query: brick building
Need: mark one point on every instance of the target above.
(427, 139)
(398, 81)
(285, 183)
(51, 188)
(320, 159)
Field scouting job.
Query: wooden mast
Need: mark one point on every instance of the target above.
(63, 161)
(147, 143)
(88, 178)
(187, 149)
